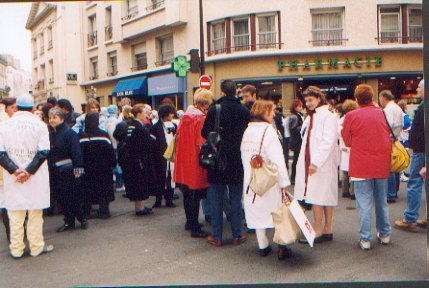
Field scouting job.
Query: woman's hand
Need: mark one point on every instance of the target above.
(312, 169)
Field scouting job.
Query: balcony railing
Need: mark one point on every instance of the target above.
(131, 13)
(267, 40)
(139, 67)
(93, 77)
(219, 46)
(416, 35)
(241, 43)
(92, 39)
(155, 5)
(328, 42)
(109, 32)
(400, 39)
(165, 58)
(50, 44)
(113, 73)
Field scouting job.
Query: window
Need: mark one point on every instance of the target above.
(112, 62)
(42, 44)
(267, 35)
(92, 35)
(50, 44)
(154, 4)
(94, 68)
(108, 28)
(241, 35)
(415, 29)
(51, 71)
(34, 44)
(140, 57)
(218, 37)
(390, 25)
(327, 27)
(36, 77)
(131, 10)
(41, 82)
(166, 50)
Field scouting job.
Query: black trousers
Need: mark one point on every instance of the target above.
(191, 203)
(72, 210)
(6, 222)
(104, 209)
(295, 161)
(165, 188)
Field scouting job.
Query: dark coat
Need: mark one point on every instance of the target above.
(135, 156)
(71, 119)
(417, 132)
(160, 162)
(99, 161)
(295, 125)
(278, 120)
(64, 145)
(234, 119)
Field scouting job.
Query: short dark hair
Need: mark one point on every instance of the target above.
(315, 92)
(9, 101)
(52, 100)
(387, 94)
(364, 94)
(65, 104)
(39, 106)
(45, 109)
(165, 110)
(228, 87)
(249, 88)
(295, 104)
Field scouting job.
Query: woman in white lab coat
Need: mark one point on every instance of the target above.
(317, 168)
(258, 209)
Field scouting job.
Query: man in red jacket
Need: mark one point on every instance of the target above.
(367, 134)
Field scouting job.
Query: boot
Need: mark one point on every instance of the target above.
(104, 209)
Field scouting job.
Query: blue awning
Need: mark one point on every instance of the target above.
(131, 87)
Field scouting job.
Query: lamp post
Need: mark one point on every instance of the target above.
(202, 52)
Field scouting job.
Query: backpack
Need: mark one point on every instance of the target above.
(212, 156)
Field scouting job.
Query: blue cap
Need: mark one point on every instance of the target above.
(112, 110)
(422, 83)
(25, 101)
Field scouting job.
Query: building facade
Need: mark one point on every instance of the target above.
(57, 50)
(3, 87)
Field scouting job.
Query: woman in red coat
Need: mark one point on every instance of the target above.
(189, 176)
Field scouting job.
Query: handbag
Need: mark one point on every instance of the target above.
(263, 174)
(212, 156)
(286, 230)
(400, 159)
(170, 152)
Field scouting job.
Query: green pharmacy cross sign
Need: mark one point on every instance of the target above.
(181, 66)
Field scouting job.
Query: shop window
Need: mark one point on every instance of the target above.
(390, 25)
(415, 28)
(327, 27)
(165, 50)
(218, 38)
(240, 37)
(112, 60)
(140, 57)
(94, 68)
(402, 87)
(267, 34)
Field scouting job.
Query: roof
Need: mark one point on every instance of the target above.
(38, 11)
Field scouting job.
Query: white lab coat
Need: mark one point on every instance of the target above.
(395, 117)
(322, 187)
(258, 214)
(21, 137)
(345, 151)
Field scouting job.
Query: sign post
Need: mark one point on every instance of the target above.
(206, 82)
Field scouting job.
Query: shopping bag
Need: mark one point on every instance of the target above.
(286, 230)
(302, 221)
(170, 152)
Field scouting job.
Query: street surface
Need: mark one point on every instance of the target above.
(156, 250)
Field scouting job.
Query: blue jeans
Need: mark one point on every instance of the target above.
(415, 186)
(392, 192)
(368, 192)
(205, 203)
(216, 194)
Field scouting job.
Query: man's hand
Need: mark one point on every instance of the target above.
(423, 173)
(312, 169)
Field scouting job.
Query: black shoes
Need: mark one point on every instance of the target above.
(188, 226)
(84, 224)
(157, 205)
(66, 227)
(170, 205)
(346, 194)
(199, 234)
(284, 252)
(265, 251)
(145, 211)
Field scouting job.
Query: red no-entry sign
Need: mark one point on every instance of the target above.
(206, 82)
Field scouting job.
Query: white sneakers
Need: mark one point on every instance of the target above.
(383, 240)
(366, 245)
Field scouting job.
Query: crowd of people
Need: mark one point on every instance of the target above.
(57, 161)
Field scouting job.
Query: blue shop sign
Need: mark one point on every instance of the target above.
(166, 84)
